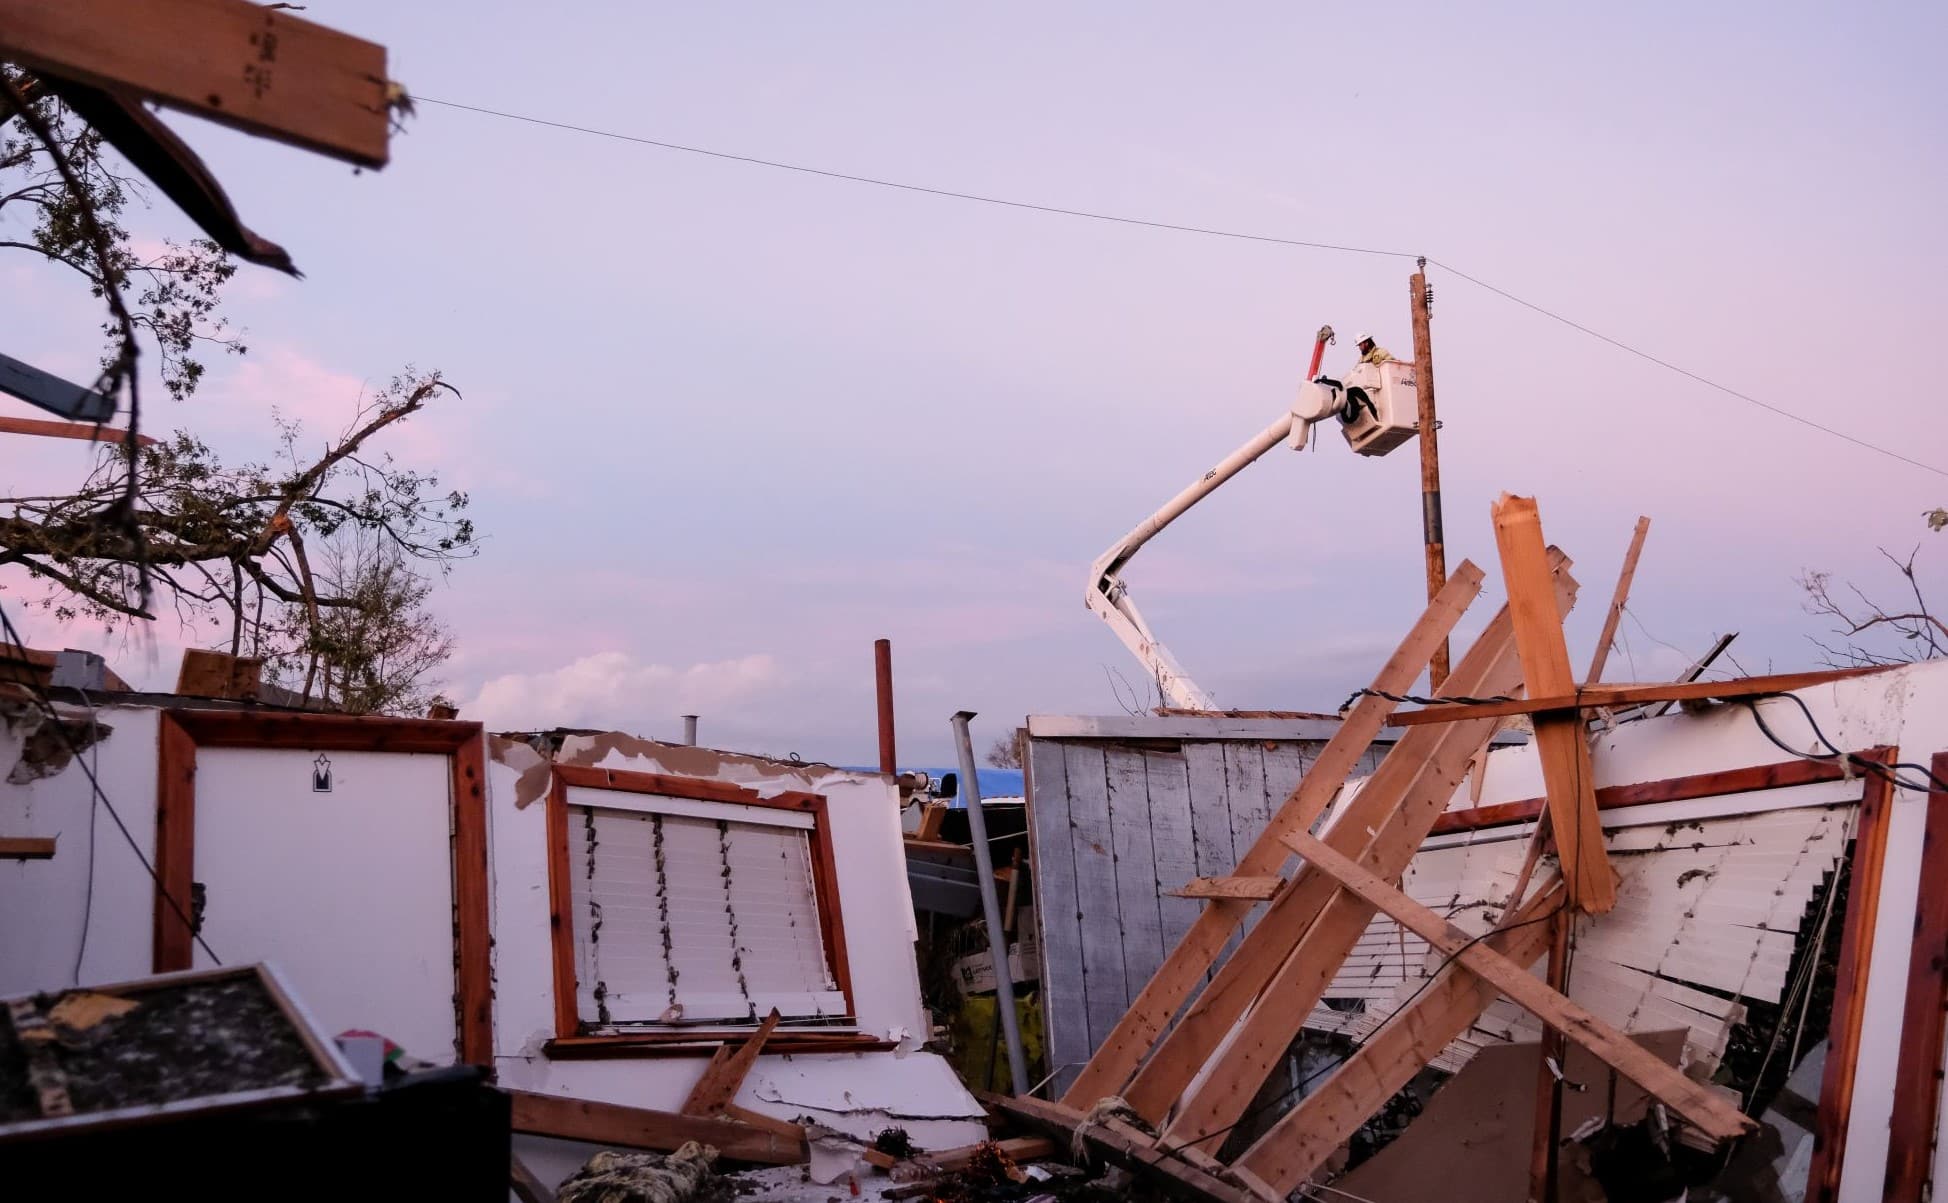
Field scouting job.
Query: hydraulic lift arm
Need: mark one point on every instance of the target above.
(1108, 595)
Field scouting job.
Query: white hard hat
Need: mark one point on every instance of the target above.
(1362, 337)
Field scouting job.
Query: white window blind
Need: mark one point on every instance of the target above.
(683, 918)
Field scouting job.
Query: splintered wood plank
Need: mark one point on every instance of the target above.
(26, 847)
(1259, 888)
(641, 1128)
(1136, 1031)
(1138, 905)
(248, 66)
(728, 1068)
(1307, 1135)
(1698, 1106)
(1057, 916)
(1416, 779)
(1173, 836)
(1104, 992)
(1562, 743)
(1617, 601)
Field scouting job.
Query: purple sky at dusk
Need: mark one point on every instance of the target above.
(725, 425)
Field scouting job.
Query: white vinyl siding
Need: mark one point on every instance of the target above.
(684, 915)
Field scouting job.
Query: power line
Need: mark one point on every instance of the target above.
(1207, 231)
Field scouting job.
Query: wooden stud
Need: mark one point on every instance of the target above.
(1617, 602)
(1850, 987)
(1778, 775)
(1562, 744)
(1017, 1149)
(1258, 888)
(641, 1128)
(526, 1187)
(27, 847)
(247, 66)
(1548, 1070)
(727, 1071)
(1693, 1103)
(1924, 1019)
(1291, 957)
(1605, 697)
(931, 818)
(174, 944)
(1183, 970)
(1304, 1137)
(561, 907)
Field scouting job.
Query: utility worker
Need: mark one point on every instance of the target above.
(1370, 353)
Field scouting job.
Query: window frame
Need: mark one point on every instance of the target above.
(569, 1025)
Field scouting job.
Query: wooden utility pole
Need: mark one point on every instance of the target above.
(1430, 461)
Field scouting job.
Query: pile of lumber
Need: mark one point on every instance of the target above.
(1182, 1072)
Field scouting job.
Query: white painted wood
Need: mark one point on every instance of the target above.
(1058, 918)
(1105, 993)
(1173, 841)
(698, 808)
(349, 892)
(1180, 727)
(1139, 908)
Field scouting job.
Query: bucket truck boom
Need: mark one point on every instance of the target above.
(1377, 409)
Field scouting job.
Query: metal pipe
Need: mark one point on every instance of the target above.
(690, 730)
(883, 685)
(1004, 982)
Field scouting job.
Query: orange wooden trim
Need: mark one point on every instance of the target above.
(1917, 1075)
(561, 922)
(1595, 696)
(323, 732)
(471, 887)
(678, 1042)
(86, 431)
(630, 781)
(1850, 989)
(1778, 775)
(175, 853)
(27, 847)
(181, 732)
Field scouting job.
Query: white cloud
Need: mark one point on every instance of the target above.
(612, 689)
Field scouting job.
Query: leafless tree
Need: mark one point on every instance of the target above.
(1869, 630)
(1005, 752)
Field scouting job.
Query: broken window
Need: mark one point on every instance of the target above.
(689, 911)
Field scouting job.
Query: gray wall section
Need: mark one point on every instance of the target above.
(1117, 823)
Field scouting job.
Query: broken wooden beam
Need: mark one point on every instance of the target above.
(248, 66)
(1228, 1044)
(26, 847)
(1178, 1172)
(1602, 697)
(728, 1068)
(1696, 1105)
(1119, 1054)
(1016, 1149)
(1617, 602)
(1562, 741)
(1255, 887)
(1304, 1137)
(642, 1128)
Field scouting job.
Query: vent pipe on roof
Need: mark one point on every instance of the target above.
(690, 730)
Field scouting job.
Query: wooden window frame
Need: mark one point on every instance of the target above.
(180, 733)
(570, 1041)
